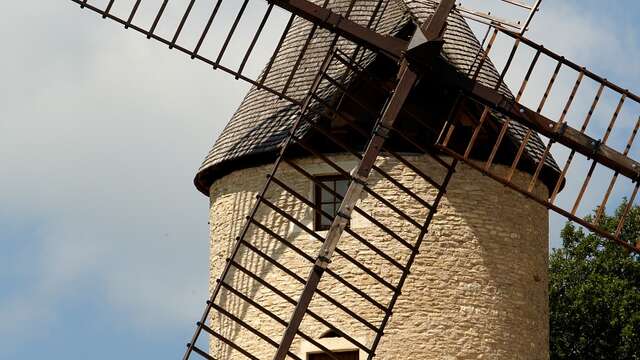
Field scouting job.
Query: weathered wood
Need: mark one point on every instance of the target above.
(566, 135)
(327, 19)
(407, 80)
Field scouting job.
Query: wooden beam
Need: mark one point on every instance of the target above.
(561, 133)
(329, 20)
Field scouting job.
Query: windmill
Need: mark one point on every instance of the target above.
(365, 175)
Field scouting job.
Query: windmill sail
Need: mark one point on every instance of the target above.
(568, 131)
(328, 82)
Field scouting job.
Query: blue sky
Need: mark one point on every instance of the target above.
(103, 238)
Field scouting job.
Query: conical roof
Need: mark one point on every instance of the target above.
(263, 120)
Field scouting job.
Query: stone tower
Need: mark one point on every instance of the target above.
(477, 289)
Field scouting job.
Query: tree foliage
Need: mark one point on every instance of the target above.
(594, 292)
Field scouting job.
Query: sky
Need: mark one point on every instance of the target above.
(103, 237)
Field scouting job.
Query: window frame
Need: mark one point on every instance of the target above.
(317, 198)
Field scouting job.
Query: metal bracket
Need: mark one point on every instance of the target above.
(595, 146)
(562, 127)
(381, 130)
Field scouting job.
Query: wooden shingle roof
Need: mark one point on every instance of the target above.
(262, 121)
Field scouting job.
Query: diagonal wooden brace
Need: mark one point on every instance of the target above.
(327, 19)
(407, 80)
(359, 177)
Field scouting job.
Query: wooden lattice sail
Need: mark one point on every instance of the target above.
(380, 82)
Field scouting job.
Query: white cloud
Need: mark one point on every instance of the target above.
(101, 133)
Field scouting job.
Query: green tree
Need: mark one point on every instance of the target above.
(594, 292)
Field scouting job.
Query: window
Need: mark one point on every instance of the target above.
(341, 348)
(327, 201)
(343, 355)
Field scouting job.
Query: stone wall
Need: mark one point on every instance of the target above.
(478, 288)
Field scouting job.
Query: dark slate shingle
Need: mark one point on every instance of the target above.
(262, 120)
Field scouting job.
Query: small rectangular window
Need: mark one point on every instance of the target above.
(327, 200)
